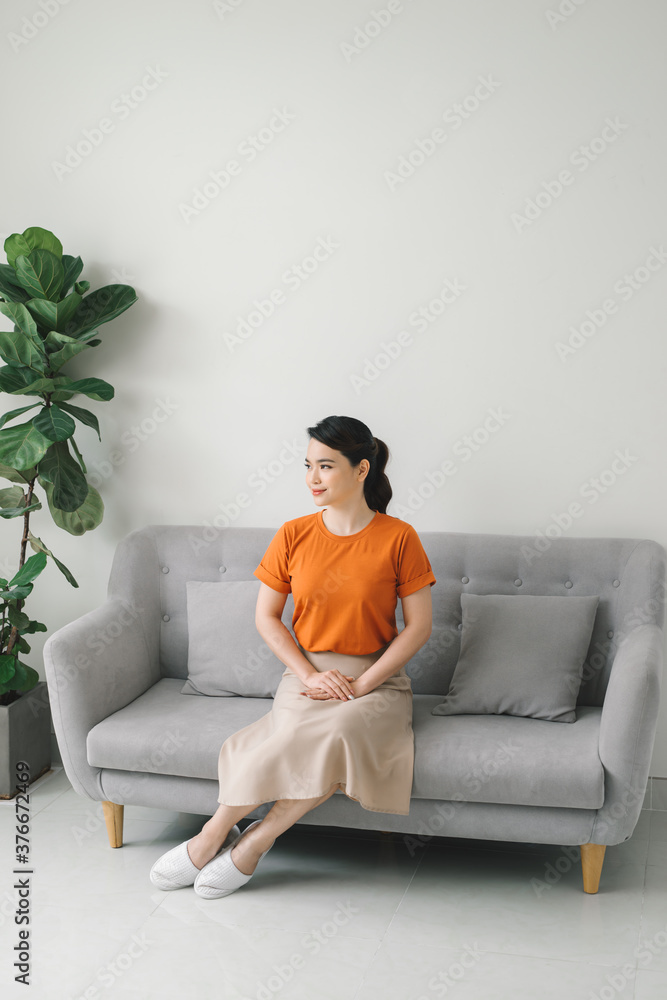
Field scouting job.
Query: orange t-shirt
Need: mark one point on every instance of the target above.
(345, 586)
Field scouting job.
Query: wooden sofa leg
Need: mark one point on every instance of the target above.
(592, 856)
(113, 817)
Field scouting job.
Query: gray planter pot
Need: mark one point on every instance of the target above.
(25, 735)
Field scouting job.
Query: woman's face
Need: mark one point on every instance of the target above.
(330, 477)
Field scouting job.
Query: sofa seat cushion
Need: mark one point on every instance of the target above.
(166, 732)
(485, 758)
(507, 759)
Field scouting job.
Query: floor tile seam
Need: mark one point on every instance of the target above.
(382, 938)
(554, 958)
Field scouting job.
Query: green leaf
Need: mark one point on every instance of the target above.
(54, 424)
(7, 667)
(65, 349)
(22, 381)
(38, 545)
(22, 446)
(58, 468)
(12, 501)
(32, 677)
(33, 238)
(16, 593)
(21, 318)
(9, 512)
(72, 267)
(22, 645)
(85, 416)
(85, 518)
(41, 274)
(18, 619)
(9, 286)
(16, 476)
(18, 350)
(35, 626)
(11, 496)
(15, 413)
(54, 315)
(82, 287)
(101, 306)
(96, 388)
(79, 456)
(31, 568)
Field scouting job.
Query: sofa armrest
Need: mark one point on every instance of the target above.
(95, 666)
(627, 732)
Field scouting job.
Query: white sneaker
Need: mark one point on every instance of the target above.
(175, 869)
(221, 876)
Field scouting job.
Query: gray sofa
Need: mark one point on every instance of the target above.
(127, 734)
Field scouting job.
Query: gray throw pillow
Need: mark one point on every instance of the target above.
(520, 655)
(226, 654)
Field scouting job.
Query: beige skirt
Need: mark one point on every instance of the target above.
(303, 747)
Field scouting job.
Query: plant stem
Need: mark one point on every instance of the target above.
(13, 635)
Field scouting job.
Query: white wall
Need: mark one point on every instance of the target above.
(219, 73)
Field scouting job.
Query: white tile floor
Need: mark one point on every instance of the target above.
(330, 915)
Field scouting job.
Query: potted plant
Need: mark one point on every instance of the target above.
(55, 318)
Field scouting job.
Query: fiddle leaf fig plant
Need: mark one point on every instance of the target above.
(55, 317)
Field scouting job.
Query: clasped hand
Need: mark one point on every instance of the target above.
(331, 684)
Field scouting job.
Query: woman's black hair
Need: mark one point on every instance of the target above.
(354, 440)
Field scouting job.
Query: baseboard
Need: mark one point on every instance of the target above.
(658, 791)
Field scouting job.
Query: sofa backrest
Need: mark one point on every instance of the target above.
(152, 565)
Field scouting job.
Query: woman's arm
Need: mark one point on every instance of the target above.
(418, 617)
(276, 635)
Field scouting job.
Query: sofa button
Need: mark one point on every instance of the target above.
(517, 583)
(165, 569)
(165, 618)
(617, 583)
(460, 626)
(568, 584)
(222, 569)
(464, 579)
(610, 634)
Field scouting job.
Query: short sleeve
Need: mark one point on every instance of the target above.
(273, 570)
(414, 570)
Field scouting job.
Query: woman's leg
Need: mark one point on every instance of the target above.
(283, 814)
(206, 844)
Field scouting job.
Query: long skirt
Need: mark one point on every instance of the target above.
(303, 747)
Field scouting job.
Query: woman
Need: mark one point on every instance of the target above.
(342, 712)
